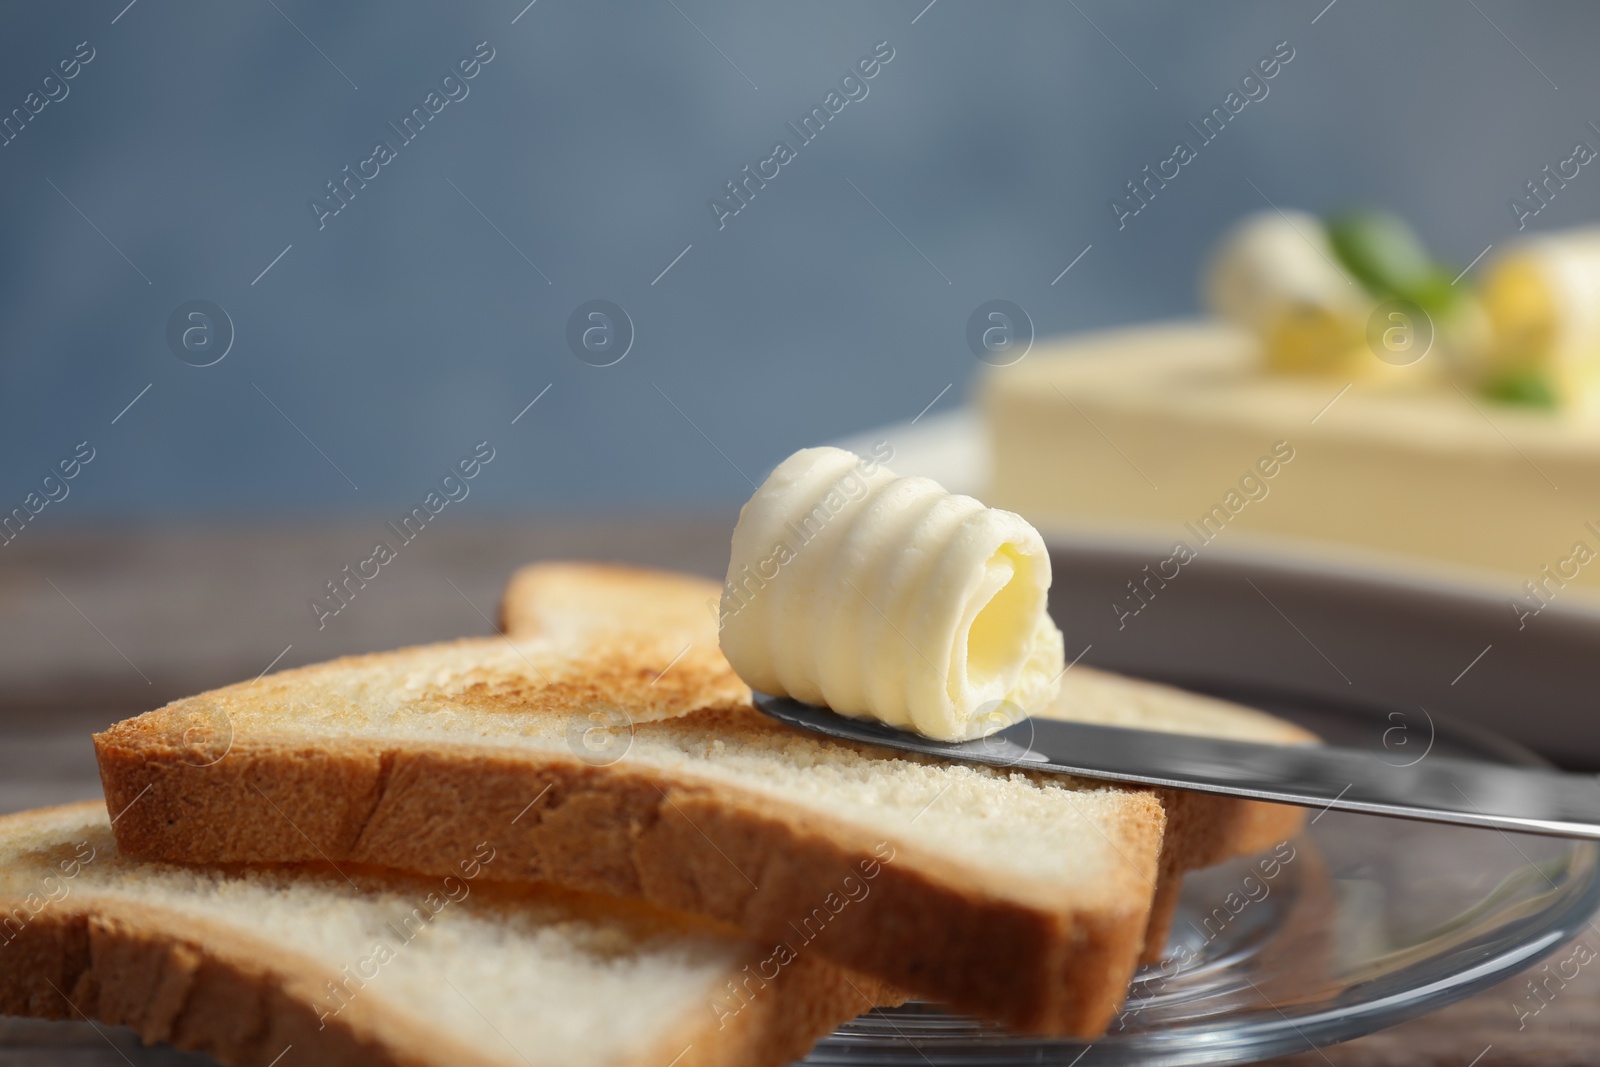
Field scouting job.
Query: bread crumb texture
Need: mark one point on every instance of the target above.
(512, 975)
(689, 718)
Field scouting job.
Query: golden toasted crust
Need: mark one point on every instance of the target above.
(1201, 829)
(925, 925)
(610, 596)
(213, 987)
(1035, 957)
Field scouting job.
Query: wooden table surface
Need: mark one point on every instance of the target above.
(99, 623)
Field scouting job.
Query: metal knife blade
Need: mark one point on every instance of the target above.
(1435, 789)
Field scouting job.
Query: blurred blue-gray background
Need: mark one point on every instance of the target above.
(181, 161)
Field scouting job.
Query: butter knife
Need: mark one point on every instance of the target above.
(1434, 789)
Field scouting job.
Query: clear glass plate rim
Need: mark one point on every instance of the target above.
(1476, 964)
(1426, 985)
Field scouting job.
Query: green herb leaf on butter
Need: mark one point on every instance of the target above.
(1385, 255)
(1530, 388)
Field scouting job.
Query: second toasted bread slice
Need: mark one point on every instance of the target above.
(358, 966)
(1202, 828)
(679, 612)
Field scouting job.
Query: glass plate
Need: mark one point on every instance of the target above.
(1371, 922)
(1363, 922)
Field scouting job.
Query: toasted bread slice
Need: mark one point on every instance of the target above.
(1202, 829)
(361, 966)
(627, 761)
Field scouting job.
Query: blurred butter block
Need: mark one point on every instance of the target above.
(948, 446)
(1171, 431)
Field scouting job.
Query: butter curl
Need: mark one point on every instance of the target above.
(889, 598)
